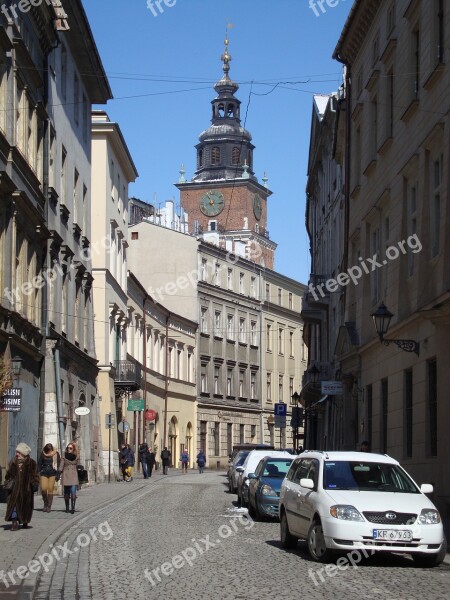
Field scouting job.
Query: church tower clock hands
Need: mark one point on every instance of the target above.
(225, 202)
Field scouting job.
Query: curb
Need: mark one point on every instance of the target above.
(27, 588)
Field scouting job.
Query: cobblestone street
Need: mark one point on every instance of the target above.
(182, 537)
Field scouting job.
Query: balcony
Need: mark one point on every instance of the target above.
(128, 375)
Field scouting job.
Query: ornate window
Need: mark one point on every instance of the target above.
(235, 155)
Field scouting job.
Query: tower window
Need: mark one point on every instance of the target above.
(221, 110)
(200, 158)
(230, 110)
(235, 155)
(215, 155)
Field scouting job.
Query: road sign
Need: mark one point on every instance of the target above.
(11, 401)
(110, 420)
(135, 404)
(280, 409)
(150, 415)
(280, 421)
(123, 426)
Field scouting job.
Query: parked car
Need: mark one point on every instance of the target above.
(264, 486)
(344, 501)
(238, 447)
(249, 466)
(238, 461)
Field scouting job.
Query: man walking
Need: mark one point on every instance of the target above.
(143, 453)
(151, 460)
(165, 459)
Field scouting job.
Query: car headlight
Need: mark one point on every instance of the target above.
(267, 490)
(429, 516)
(346, 513)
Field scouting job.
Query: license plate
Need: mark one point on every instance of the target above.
(393, 535)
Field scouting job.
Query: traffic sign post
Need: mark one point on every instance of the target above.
(280, 412)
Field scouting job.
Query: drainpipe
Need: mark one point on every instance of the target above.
(166, 390)
(59, 406)
(144, 361)
(44, 306)
(348, 124)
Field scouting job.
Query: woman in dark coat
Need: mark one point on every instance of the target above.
(151, 460)
(69, 475)
(48, 465)
(23, 471)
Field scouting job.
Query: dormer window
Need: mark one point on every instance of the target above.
(215, 155)
(235, 155)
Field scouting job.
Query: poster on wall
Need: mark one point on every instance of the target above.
(11, 401)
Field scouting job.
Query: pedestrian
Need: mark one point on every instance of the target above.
(130, 465)
(48, 467)
(69, 475)
(365, 446)
(165, 458)
(151, 460)
(124, 460)
(143, 453)
(201, 460)
(184, 458)
(22, 482)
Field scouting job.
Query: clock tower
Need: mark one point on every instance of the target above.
(225, 203)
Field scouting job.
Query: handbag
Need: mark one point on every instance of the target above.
(9, 485)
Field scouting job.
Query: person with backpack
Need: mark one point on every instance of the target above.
(184, 458)
(165, 459)
(201, 460)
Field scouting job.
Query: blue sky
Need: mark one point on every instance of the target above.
(162, 70)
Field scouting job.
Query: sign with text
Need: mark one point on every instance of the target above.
(331, 388)
(11, 401)
(280, 409)
(135, 404)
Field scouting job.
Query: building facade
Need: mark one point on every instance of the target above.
(395, 232)
(112, 171)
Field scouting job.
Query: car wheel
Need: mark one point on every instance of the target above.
(316, 543)
(251, 510)
(287, 539)
(230, 486)
(431, 560)
(258, 515)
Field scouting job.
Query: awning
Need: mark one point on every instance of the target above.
(323, 399)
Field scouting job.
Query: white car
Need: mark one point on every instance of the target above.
(249, 466)
(347, 501)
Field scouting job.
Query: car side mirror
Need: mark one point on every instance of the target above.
(426, 488)
(307, 483)
(252, 476)
(239, 469)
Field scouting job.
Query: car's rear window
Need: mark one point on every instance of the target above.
(276, 468)
(367, 476)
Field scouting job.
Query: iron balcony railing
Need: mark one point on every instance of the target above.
(128, 372)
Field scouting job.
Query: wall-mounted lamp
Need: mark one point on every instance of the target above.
(314, 372)
(381, 319)
(16, 366)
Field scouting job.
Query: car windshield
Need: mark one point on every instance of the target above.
(276, 468)
(367, 476)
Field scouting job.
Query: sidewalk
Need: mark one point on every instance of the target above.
(20, 547)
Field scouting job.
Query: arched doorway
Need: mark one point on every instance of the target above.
(173, 436)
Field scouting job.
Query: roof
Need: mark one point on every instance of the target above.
(349, 455)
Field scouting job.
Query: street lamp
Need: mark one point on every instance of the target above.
(382, 319)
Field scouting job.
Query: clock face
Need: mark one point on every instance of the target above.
(212, 203)
(257, 206)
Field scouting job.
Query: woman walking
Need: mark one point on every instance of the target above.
(24, 482)
(201, 460)
(69, 475)
(48, 465)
